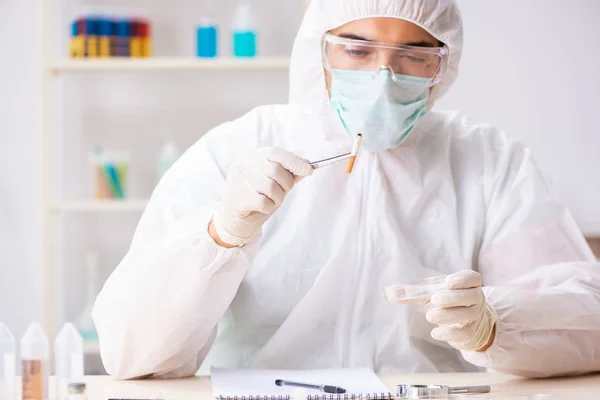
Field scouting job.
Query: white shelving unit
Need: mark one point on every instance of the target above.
(86, 206)
(52, 69)
(170, 64)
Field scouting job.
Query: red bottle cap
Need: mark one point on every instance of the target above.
(145, 28)
(81, 26)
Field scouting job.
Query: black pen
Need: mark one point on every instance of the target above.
(322, 388)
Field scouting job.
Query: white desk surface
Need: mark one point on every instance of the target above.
(199, 388)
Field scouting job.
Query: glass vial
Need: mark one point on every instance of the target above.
(77, 391)
(34, 363)
(68, 360)
(8, 374)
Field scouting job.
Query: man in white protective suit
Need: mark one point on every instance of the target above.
(246, 256)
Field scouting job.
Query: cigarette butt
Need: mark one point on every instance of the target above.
(350, 164)
(354, 153)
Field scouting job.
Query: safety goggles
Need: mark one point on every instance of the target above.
(359, 55)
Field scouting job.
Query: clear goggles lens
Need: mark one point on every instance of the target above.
(357, 55)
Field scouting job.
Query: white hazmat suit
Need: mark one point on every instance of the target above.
(306, 292)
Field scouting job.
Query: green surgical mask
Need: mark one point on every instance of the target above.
(382, 106)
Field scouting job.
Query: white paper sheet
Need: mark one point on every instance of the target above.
(240, 382)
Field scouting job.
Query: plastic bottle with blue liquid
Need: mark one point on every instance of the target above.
(244, 32)
(207, 38)
(207, 34)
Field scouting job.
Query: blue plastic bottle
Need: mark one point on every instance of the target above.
(206, 37)
(244, 32)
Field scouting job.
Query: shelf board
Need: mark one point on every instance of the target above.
(168, 64)
(73, 206)
(91, 348)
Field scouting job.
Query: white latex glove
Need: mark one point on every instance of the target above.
(255, 187)
(465, 320)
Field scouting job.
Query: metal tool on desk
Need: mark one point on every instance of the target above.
(437, 391)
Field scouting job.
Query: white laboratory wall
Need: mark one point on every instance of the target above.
(20, 211)
(530, 70)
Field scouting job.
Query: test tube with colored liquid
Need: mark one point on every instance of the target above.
(123, 38)
(135, 45)
(75, 50)
(122, 166)
(106, 30)
(81, 38)
(146, 38)
(91, 26)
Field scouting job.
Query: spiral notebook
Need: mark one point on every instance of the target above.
(245, 384)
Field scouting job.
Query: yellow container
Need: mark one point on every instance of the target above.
(146, 47)
(78, 47)
(92, 47)
(104, 46)
(135, 46)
